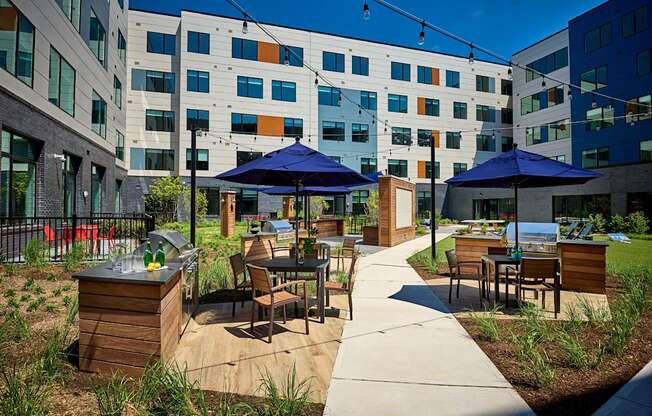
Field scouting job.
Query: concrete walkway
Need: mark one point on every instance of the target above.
(405, 354)
(633, 399)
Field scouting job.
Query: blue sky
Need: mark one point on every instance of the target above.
(502, 26)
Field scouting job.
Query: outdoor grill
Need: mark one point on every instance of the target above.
(281, 228)
(178, 250)
(535, 237)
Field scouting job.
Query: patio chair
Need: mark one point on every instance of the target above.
(274, 297)
(501, 251)
(572, 228)
(532, 275)
(584, 234)
(109, 238)
(347, 251)
(274, 250)
(238, 268)
(346, 287)
(456, 272)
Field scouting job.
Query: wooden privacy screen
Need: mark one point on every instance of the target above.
(471, 249)
(268, 52)
(583, 267)
(388, 232)
(271, 126)
(227, 213)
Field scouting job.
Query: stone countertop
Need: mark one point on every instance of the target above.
(584, 242)
(104, 273)
(477, 236)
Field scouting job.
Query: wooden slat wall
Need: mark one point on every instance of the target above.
(256, 247)
(329, 227)
(122, 326)
(227, 213)
(271, 126)
(268, 52)
(471, 249)
(421, 105)
(583, 267)
(388, 234)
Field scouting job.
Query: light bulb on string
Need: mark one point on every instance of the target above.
(366, 15)
(471, 56)
(594, 103)
(245, 28)
(287, 57)
(509, 70)
(543, 82)
(422, 36)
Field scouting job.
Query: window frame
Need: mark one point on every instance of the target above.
(168, 39)
(337, 61)
(334, 125)
(204, 163)
(249, 92)
(165, 120)
(197, 42)
(74, 82)
(198, 75)
(402, 136)
(202, 123)
(241, 117)
(597, 152)
(294, 124)
(402, 103)
(360, 133)
(453, 140)
(280, 87)
(404, 70)
(103, 112)
(362, 67)
(402, 167)
(460, 107)
(367, 98)
(332, 92)
(454, 80)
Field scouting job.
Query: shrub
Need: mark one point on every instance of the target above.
(34, 254)
(14, 328)
(637, 223)
(618, 224)
(114, 399)
(574, 319)
(165, 389)
(290, 399)
(535, 328)
(533, 363)
(575, 353)
(52, 361)
(371, 208)
(599, 223)
(73, 258)
(487, 323)
(215, 275)
(595, 315)
(22, 395)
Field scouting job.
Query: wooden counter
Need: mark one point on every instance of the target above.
(126, 321)
(256, 246)
(470, 247)
(329, 227)
(583, 265)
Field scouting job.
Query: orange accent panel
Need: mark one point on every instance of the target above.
(435, 76)
(270, 126)
(421, 105)
(421, 169)
(8, 18)
(268, 52)
(435, 137)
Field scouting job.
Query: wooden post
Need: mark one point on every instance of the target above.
(288, 207)
(227, 213)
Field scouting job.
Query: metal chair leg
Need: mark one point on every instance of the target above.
(350, 305)
(271, 322)
(450, 290)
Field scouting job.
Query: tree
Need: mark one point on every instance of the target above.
(371, 207)
(163, 198)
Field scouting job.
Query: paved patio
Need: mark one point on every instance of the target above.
(406, 354)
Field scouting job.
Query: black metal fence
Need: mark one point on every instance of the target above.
(355, 224)
(97, 236)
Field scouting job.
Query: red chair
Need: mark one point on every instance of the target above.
(110, 238)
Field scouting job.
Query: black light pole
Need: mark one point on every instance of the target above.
(433, 223)
(193, 182)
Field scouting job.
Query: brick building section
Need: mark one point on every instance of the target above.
(227, 210)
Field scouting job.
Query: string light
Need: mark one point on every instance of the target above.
(509, 70)
(287, 57)
(543, 82)
(594, 103)
(366, 15)
(422, 36)
(245, 28)
(471, 56)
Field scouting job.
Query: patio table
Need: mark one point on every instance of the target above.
(286, 264)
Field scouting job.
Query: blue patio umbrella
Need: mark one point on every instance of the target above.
(295, 165)
(520, 169)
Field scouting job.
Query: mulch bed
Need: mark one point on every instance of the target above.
(574, 391)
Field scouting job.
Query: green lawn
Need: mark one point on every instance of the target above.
(623, 256)
(424, 258)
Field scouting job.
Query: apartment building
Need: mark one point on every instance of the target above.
(381, 109)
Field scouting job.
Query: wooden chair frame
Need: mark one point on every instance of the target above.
(238, 268)
(455, 270)
(532, 275)
(346, 287)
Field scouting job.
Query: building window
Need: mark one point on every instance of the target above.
(69, 169)
(159, 120)
(459, 110)
(402, 136)
(329, 96)
(202, 159)
(485, 84)
(559, 158)
(284, 91)
(427, 75)
(424, 138)
(506, 87)
(159, 159)
(18, 175)
(72, 10)
(530, 104)
(162, 43)
(119, 145)
(246, 157)
(459, 168)
(599, 118)
(244, 123)
(97, 185)
(199, 42)
(542, 100)
(506, 116)
(493, 209)
(645, 149)
(485, 113)
(597, 38)
(453, 139)
(368, 165)
(634, 22)
(122, 47)
(246, 202)
(437, 170)
(293, 127)
(360, 133)
(397, 103)
(294, 55)
(581, 206)
(97, 39)
(424, 203)
(332, 130)
(152, 81)
(400, 71)
(338, 159)
(547, 64)
(61, 87)
(117, 201)
(197, 81)
(332, 61)
(117, 92)
(595, 158)
(431, 107)
(397, 167)
(359, 202)
(532, 136)
(368, 100)
(506, 144)
(213, 197)
(17, 54)
(197, 118)
(452, 79)
(638, 109)
(244, 49)
(555, 95)
(559, 130)
(360, 65)
(593, 79)
(250, 87)
(98, 115)
(485, 143)
(644, 62)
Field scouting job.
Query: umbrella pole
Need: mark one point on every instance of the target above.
(516, 216)
(297, 224)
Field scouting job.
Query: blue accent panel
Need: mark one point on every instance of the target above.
(347, 113)
(623, 82)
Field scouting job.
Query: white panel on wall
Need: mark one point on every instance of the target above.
(404, 204)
